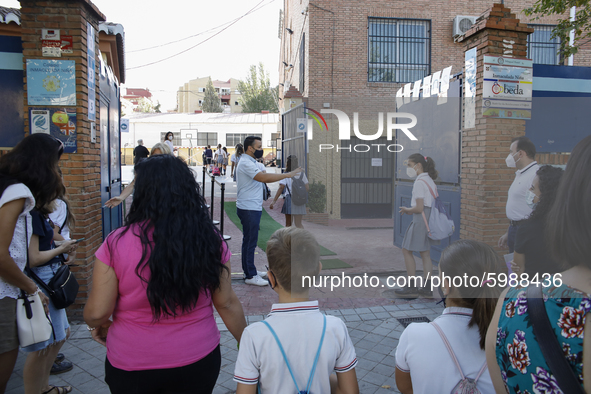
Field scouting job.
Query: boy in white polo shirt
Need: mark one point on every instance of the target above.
(296, 348)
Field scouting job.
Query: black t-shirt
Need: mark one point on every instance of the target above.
(530, 241)
(42, 228)
(140, 152)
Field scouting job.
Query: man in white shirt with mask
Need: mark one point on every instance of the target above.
(521, 156)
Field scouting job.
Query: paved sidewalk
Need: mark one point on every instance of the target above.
(374, 331)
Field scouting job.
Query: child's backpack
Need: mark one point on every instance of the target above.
(299, 194)
(307, 391)
(465, 385)
(440, 224)
(216, 171)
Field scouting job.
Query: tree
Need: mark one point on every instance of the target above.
(145, 105)
(581, 25)
(256, 92)
(157, 107)
(211, 101)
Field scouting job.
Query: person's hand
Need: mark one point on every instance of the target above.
(44, 301)
(271, 206)
(71, 257)
(404, 210)
(503, 241)
(66, 246)
(295, 172)
(516, 268)
(114, 202)
(99, 334)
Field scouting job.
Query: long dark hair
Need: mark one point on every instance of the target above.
(70, 217)
(427, 163)
(292, 162)
(34, 162)
(239, 150)
(181, 247)
(549, 178)
(166, 135)
(474, 259)
(569, 231)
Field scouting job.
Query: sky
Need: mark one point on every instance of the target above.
(152, 23)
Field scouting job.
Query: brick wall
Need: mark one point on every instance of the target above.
(82, 169)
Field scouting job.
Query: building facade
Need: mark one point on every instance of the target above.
(354, 56)
(190, 96)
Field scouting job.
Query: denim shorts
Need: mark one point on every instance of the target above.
(59, 319)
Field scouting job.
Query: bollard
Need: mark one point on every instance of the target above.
(212, 195)
(226, 237)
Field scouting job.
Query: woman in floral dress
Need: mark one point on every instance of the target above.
(515, 361)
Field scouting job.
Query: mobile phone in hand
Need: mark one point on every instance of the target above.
(79, 240)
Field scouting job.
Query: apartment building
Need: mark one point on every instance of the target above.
(190, 96)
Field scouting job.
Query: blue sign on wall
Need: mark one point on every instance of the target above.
(51, 82)
(12, 128)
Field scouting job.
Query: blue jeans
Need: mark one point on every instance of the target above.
(250, 234)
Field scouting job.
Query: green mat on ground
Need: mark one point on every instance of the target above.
(330, 264)
(267, 228)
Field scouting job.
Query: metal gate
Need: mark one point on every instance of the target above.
(366, 181)
(294, 142)
(110, 148)
(439, 136)
(11, 88)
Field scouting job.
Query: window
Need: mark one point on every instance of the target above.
(233, 139)
(541, 48)
(399, 50)
(204, 139)
(201, 90)
(200, 103)
(236, 103)
(176, 137)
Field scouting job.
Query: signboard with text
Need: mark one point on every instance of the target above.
(507, 87)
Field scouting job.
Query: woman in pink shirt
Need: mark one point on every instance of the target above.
(160, 276)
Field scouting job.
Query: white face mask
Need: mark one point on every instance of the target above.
(529, 198)
(510, 160)
(170, 137)
(411, 172)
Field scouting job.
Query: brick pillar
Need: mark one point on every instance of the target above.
(485, 176)
(81, 169)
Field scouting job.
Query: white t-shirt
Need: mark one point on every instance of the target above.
(234, 158)
(167, 142)
(421, 352)
(299, 328)
(288, 181)
(18, 245)
(517, 208)
(59, 216)
(420, 190)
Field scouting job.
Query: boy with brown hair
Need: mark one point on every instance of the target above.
(296, 348)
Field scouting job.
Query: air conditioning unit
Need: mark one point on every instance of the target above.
(463, 23)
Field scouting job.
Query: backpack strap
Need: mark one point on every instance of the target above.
(287, 362)
(435, 195)
(449, 349)
(426, 224)
(453, 355)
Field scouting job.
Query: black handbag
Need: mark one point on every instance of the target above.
(62, 288)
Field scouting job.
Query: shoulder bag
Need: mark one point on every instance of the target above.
(33, 324)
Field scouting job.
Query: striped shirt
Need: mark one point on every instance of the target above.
(299, 328)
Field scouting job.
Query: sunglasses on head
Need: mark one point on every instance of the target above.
(60, 150)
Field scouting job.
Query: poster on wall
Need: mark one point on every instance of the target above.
(470, 88)
(51, 82)
(91, 76)
(507, 87)
(58, 122)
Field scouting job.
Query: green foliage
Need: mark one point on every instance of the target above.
(211, 101)
(256, 92)
(317, 197)
(581, 25)
(157, 107)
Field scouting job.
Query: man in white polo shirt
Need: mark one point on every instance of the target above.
(249, 203)
(522, 156)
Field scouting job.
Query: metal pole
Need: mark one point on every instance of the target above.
(222, 210)
(212, 195)
(203, 182)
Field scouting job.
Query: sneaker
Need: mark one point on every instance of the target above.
(408, 291)
(62, 367)
(426, 292)
(256, 281)
(262, 274)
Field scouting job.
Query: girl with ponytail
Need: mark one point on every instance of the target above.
(416, 237)
(464, 323)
